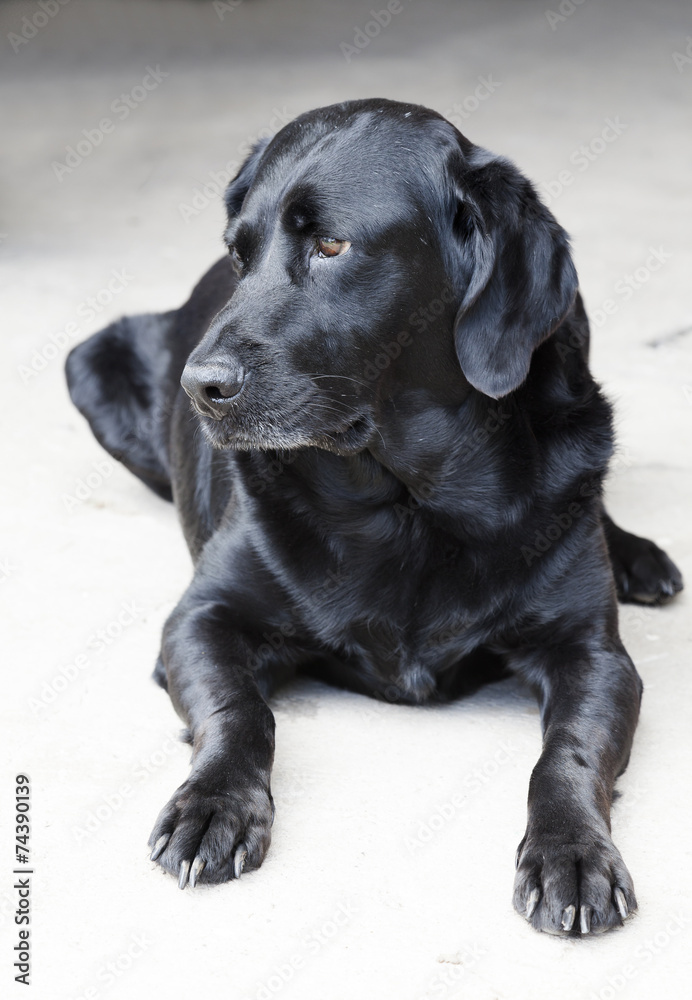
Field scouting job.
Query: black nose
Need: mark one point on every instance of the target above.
(213, 387)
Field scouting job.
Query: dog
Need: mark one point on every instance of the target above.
(376, 418)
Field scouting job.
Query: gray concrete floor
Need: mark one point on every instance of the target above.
(365, 892)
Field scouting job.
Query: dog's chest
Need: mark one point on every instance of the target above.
(398, 610)
(379, 583)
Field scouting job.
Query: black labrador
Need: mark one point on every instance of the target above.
(388, 456)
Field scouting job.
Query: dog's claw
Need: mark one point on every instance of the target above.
(585, 919)
(568, 915)
(160, 846)
(532, 902)
(239, 860)
(196, 870)
(184, 872)
(621, 902)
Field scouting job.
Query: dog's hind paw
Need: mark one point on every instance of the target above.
(643, 573)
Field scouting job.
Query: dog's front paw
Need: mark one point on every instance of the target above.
(578, 886)
(210, 835)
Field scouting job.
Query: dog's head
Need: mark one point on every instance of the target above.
(385, 265)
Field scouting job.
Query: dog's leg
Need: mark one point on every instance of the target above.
(643, 573)
(219, 821)
(570, 876)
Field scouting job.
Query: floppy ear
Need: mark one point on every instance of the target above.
(513, 269)
(116, 380)
(241, 183)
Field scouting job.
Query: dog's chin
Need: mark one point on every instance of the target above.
(227, 434)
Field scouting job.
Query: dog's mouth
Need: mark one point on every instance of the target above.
(350, 439)
(346, 438)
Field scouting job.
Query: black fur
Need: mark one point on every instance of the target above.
(393, 482)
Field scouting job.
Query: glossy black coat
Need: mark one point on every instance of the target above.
(390, 477)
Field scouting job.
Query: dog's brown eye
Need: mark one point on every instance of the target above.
(236, 259)
(327, 246)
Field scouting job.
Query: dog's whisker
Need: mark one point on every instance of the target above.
(347, 377)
